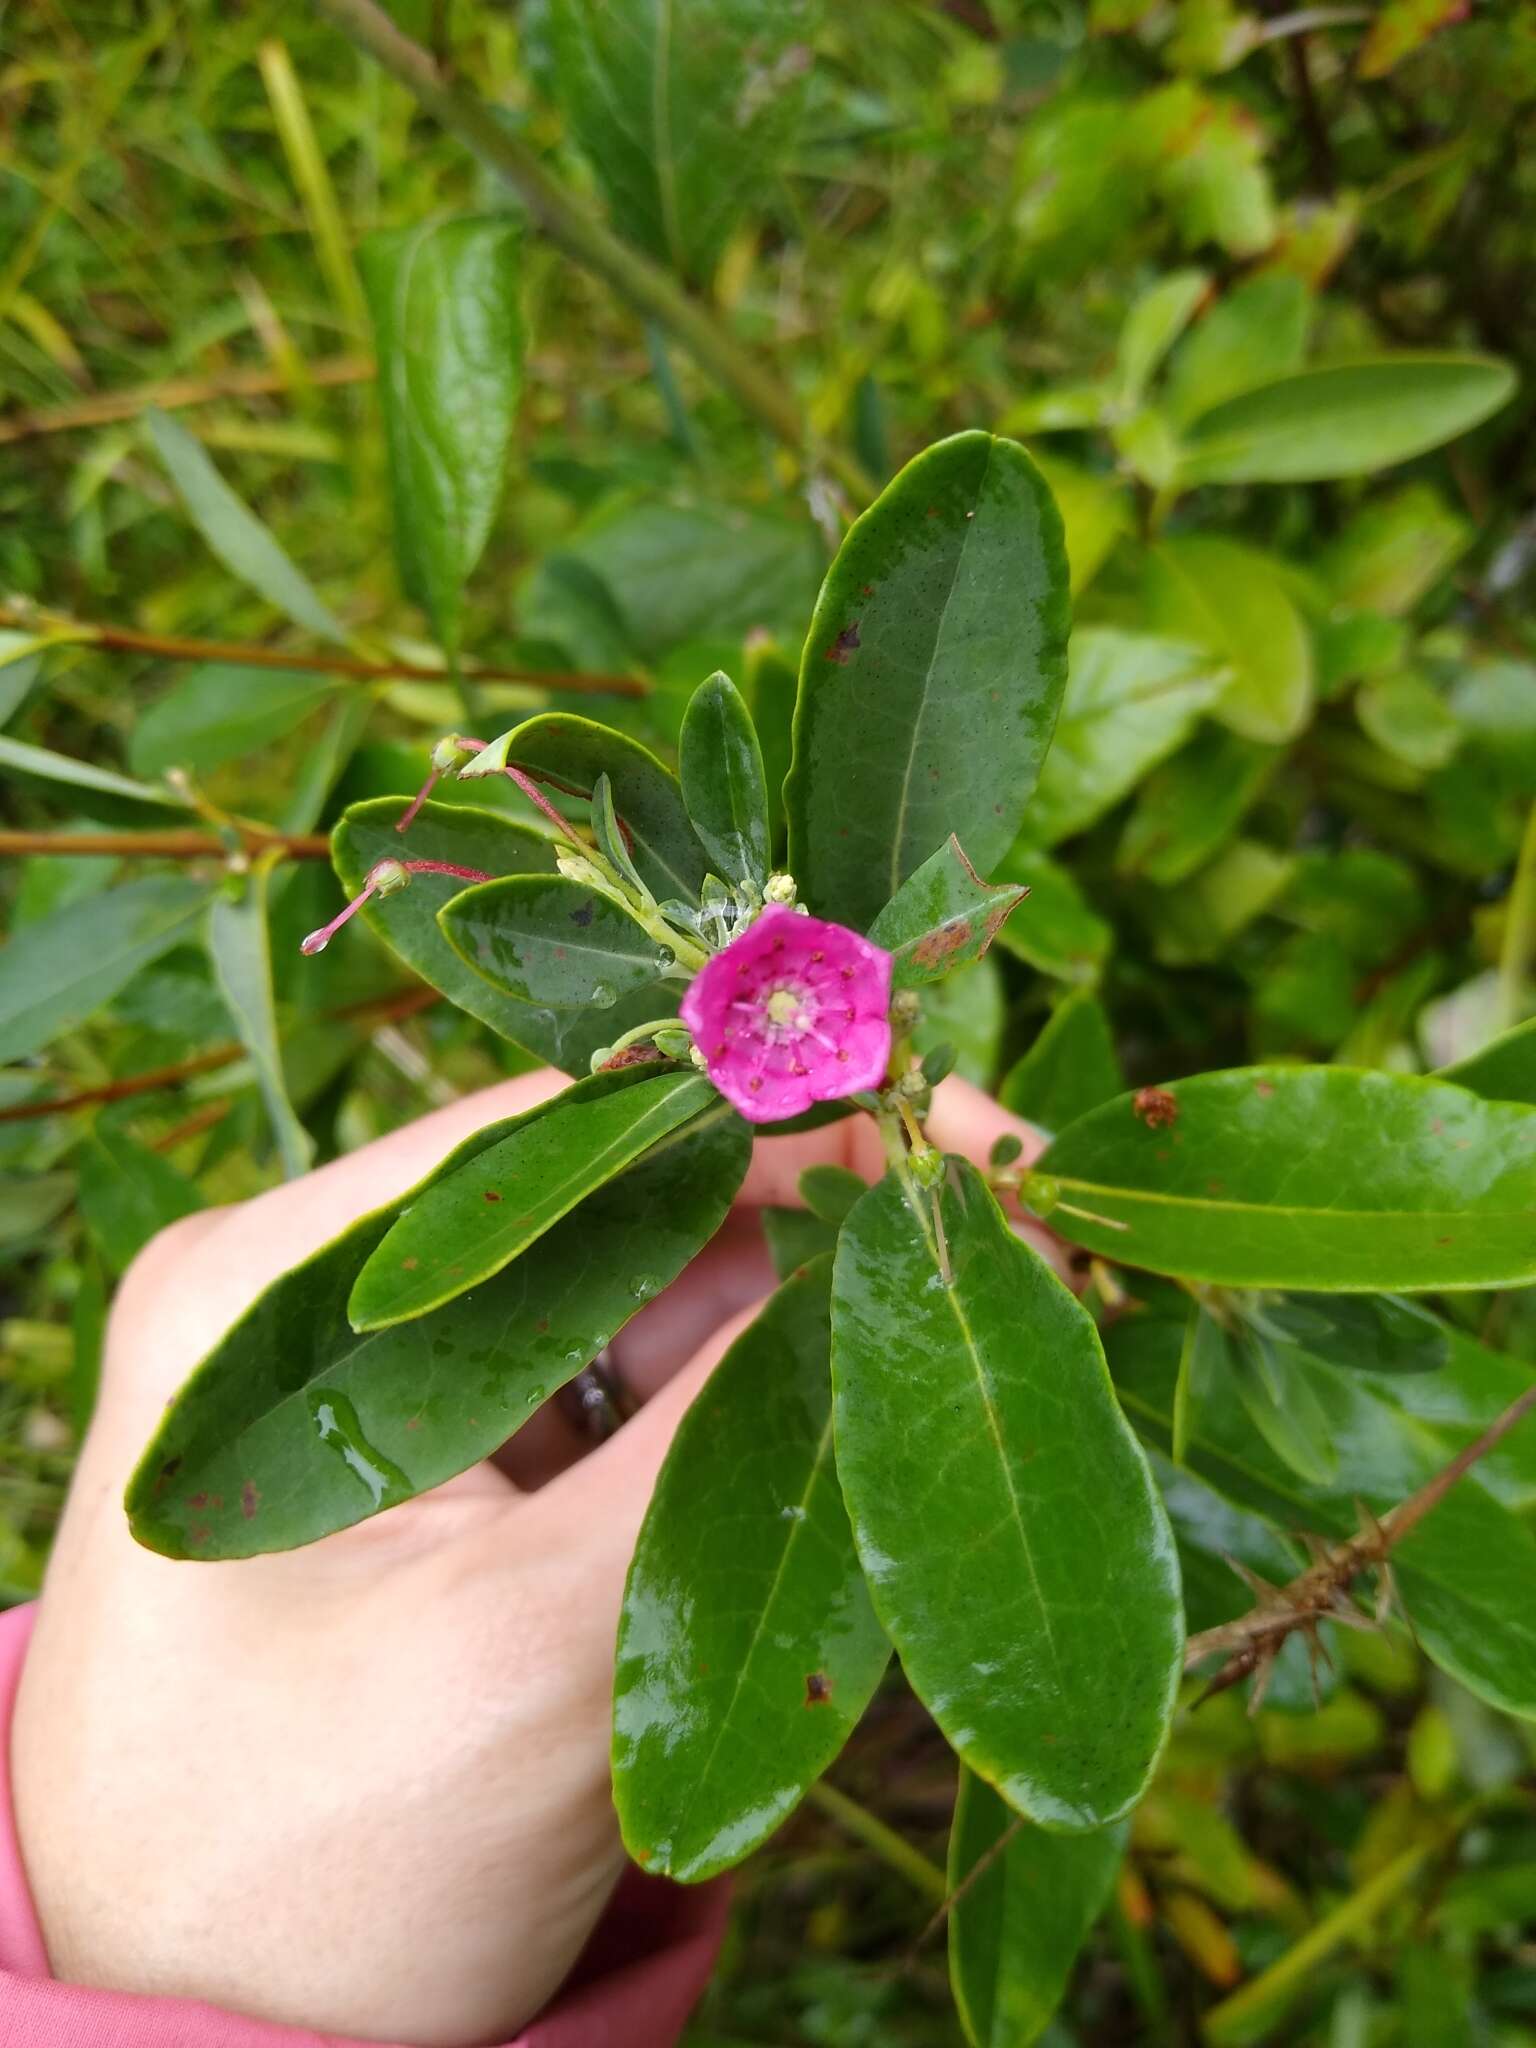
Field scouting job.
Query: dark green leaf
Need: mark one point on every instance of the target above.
(1503, 1071)
(795, 1237)
(553, 942)
(221, 713)
(56, 973)
(721, 766)
(1273, 1389)
(30, 1202)
(234, 533)
(964, 1017)
(473, 1218)
(1014, 1933)
(444, 300)
(239, 949)
(568, 754)
(747, 1645)
(942, 916)
(1132, 699)
(931, 678)
(1460, 1573)
(467, 836)
(39, 762)
(1187, 809)
(1071, 1068)
(1322, 1178)
(1361, 1332)
(831, 1191)
(128, 1193)
(1344, 419)
(295, 1425)
(1016, 1549)
(684, 114)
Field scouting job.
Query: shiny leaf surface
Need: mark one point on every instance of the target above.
(747, 1645)
(1344, 419)
(473, 1218)
(295, 1425)
(448, 334)
(1016, 1549)
(568, 754)
(721, 768)
(1318, 1178)
(942, 917)
(466, 836)
(931, 678)
(1504, 1070)
(553, 942)
(1015, 1933)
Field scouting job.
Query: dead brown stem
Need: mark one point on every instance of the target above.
(175, 844)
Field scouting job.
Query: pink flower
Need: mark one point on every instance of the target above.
(795, 1011)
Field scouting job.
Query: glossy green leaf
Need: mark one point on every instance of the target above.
(931, 679)
(128, 1193)
(1071, 1068)
(1132, 698)
(1187, 809)
(234, 533)
(1460, 1574)
(295, 1425)
(466, 836)
(1015, 1547)
(1277, 1395)
(470, 1220)
(1156, 320)
(551, 941)
(721, 767)
(685, 114)
(1322, 1178)
(1055, 931)
(1228, 599)
(795, 1237)
(943, 916)
(966, 1013)
(569, 754)
(57, 972)
(222, 713)
(240, 950)
(1255, 334)
(1015, 1932)
(1504, 1070)
(831, 1191)
(748, 1647)
(448, 334)
(1360, 1332)
(1344, 419)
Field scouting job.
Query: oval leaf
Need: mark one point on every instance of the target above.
(449, 340)
(748, 1647)
(295, 1425)
(467, 1223)
(466, 836)
(1229, 600)
(931, 677)
(1015, 1547)
(1343, 419)
(551, 941)
(570, 754)
(1017, 1925)
(943, 916)
(221, 713)
(721, 767)
(1322, 1178)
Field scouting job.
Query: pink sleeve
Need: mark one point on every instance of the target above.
(639, 1978)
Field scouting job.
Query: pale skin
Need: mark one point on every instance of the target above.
(363, 1787)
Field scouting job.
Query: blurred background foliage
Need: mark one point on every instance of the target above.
(1287, 813)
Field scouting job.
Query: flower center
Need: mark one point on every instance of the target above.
(788, 1010)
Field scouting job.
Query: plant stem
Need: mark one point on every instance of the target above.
(169, 647)
(169, 845)
(103, 408)
(648, 288)
(1519, 930)
(880, 1840)
(392, 1009)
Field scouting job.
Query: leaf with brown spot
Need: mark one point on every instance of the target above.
(943, 917)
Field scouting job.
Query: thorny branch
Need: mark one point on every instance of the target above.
(1323, 1591)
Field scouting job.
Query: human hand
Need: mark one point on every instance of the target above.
(363, 1786)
